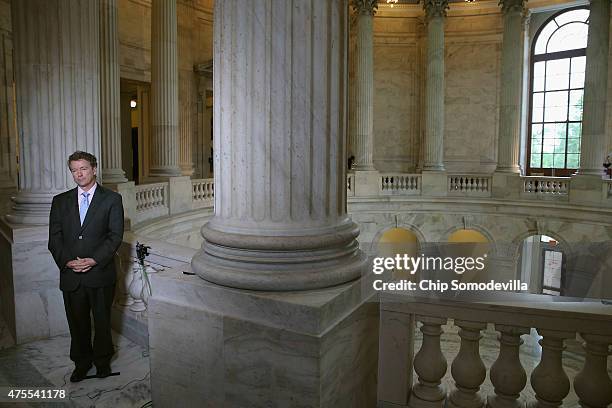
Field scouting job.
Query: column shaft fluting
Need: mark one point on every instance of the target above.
(58, 97)
(512, 74)
(187, 89)
(280, 221)
(362, 137)
(110, 116)
(435, 11)
(595, 90)
(164, 90)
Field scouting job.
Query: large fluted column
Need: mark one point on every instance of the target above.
(593, 143)
(58, 97)
(280, 83)
(110, 117)
(362, 137)
(435, 11)
(164, 90)
(187, 95)
(512, 66)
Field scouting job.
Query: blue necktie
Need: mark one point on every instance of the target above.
(83, 207)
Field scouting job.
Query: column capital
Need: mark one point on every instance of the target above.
(512, 5)
(435, 8)
(365, 6)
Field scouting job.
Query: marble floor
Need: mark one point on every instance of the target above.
(44, 363)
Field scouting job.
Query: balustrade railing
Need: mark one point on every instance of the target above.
(546, 186)
(397, 183)
(151, 201)
(512, 314)
(469, 185)
(203, 192)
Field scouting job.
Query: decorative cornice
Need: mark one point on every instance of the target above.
(512, 5)
(365, 6)
(435, 8)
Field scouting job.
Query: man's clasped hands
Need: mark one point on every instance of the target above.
(81, 264)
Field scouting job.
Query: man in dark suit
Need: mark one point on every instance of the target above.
(85, 231)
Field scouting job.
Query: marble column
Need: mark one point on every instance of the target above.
(280, 218)
(435, 11)
(57, 81)
(362, 132)
(110, 117)
(187, 89)
(164, 90)
(512, 66)
(593, 145)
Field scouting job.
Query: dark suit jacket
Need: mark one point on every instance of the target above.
(99, 237)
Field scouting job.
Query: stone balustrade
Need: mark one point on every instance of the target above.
(203, 193)
(512, 315)
(546, 186)
(151, 201)
(469, 185)
(398, 183)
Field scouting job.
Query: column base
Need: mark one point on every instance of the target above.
(186, 169)
(31, 208)
(367, 183)
(31, 302)
(113, 176)
(222, 347)
(165, 171)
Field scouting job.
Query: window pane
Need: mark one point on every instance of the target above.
(571, 36)
(538, 76)
(573, 15)
(536, 131)
(574, 130)
(547, 160)
(559, 161)
(576, 99)
(540, 47)
(536, 160)
(536, 145)
(557, 74)
(554, 130)
(578, 64)
(573, 161)
(573, 145)
(538, 99)
(537, 115)
(549, 145)
(577, 80)
(559, 146)
(555, 106)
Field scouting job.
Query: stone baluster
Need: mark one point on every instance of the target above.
(467, 368)
(548, 379)
(362, 133)
(595, 90)
(592, 384)
(280, 218)
(507, 374)
(164, 90)
(435, 11)
(430, 366)
(110, 118)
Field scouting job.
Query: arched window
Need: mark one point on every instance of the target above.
(557, 88)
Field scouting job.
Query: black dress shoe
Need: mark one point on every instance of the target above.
(79, 373)
(103, 372)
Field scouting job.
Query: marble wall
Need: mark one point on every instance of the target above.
(585, 238)
(472, 70)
